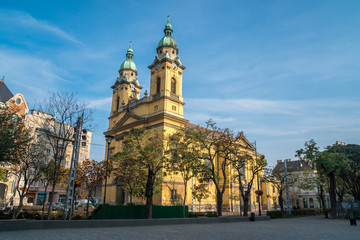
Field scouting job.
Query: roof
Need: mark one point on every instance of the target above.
(167, 40)
(292, 166)
(5, 93)
(129, 64)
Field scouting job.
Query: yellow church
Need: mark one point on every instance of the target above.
(162, 110)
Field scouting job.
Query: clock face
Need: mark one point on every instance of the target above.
(174, 66)
(157, 66)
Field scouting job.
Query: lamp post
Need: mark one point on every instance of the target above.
(258, 185)
(108, 140)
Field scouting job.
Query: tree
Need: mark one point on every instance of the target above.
(349, 176)
(309, 154)
(201, 192)
(145, 149)
(132, 178)
(215, 145)
(277, 178)
(331, 163)
(244, 162)
(13, 135)
(183, 158)
(46, 178)
(59, 114)
(28, 170)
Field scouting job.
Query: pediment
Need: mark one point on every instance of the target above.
(126, 119)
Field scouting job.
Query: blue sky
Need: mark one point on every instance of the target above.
(281, 71)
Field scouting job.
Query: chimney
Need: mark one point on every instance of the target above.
(279, 161)
(3, 79)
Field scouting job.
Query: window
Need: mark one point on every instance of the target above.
(273, 189)
(305, 202)
(174, 108)
(311, 203)
(173, 86)
(67, 164)
(173, 194)
(158, 85)
(117, 103)
(156, 107)
(84, 157)
(48, 150)
(18, 101)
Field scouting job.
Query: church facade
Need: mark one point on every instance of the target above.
(162, 109)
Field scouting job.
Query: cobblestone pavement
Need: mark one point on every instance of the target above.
(295, 228)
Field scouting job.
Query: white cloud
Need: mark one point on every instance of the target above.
(33, 76)
(23, 19)
(100, 104)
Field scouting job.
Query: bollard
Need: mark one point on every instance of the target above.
(252, 217)
(352, 218)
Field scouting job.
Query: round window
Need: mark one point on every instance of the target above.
(18, 101)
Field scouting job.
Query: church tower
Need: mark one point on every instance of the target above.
(166, 75)
(126, 87)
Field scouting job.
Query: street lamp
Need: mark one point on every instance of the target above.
(108, 140)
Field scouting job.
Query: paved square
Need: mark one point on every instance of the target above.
(295, 228)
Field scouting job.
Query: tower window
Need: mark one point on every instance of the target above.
(132, 74)
(173, 52)
(173, 86)
(160, 52)
(117, 103)
(158, 85)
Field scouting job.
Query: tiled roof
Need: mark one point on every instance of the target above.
(292, 166)
(5, 93)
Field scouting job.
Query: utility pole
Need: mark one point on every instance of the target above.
(258, 185)
(288, 210)
(70, 191)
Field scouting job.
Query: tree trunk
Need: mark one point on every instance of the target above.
(43, 205)
(87, 205)
(19, 208)
(149, 193)
(281, 203)
(332, 192)
(131, 198)
(246, 205)
(185, 192)
(219, 202)
(322, 197)
(51, 199)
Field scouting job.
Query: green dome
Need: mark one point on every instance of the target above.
(167, 40)
(129, 64)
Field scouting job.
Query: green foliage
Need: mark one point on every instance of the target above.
(3, 175)
(13, 135)
(144, 149)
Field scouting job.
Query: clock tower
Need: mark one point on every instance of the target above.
(166, 74)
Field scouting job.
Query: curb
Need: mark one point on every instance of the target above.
(60, 224)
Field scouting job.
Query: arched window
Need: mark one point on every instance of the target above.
(158, 85)
(173, 86)
(305, 202)
(117, 103)
(311, 203)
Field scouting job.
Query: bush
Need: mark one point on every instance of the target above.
(203, 214)
(295, 212)
(138, 212)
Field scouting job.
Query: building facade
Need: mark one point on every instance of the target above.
(161, 110)
(34, 121)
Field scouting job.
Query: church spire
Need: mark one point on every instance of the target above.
(168, 28)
